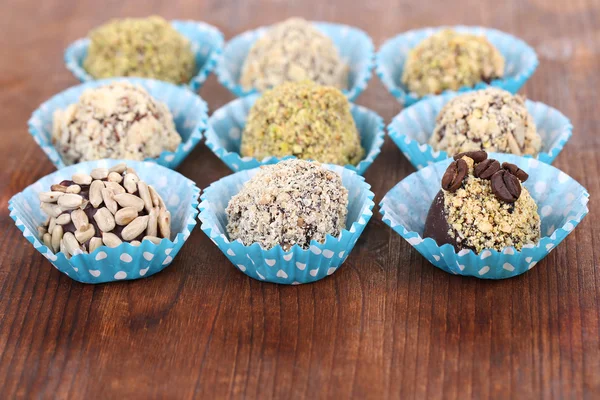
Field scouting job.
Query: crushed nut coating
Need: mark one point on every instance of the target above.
(305, 120)
(293, 50)
(478, 220)
(448, 60)
(145, 47)
(292, 202)
(119, 120)
(492, 119)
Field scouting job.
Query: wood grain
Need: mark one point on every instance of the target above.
(387, 325)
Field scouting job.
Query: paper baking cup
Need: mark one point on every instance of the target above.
(355, 47)
(520, 60)
(207, 45)
(188, 109)
(124, 262)
(225, 127)
(562, 204)
(413, 127)
(276, 265)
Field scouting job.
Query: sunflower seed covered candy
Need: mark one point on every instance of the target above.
(106, 207)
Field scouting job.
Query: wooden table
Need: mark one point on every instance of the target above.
(387, 325)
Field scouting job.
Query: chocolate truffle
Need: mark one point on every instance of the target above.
(305, 120)
(482, 205)
(449, 60)
(293, 50)
(292, 202)
(492, 119)
(119, 121)
(144, 47)
(106, 207)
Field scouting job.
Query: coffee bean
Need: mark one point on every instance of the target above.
(505, 186)
(477, 156)
(454, 175)
(486, 168)
(516, 171)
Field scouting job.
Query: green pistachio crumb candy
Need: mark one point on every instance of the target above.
(449, 60)
(145, 47)
(305, 120)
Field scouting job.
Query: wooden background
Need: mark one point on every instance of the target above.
(386, 325)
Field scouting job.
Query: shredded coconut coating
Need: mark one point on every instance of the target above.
(146, 47)
(305, 120)
(293, 50)
(448, 60)
(479, 221)
(118, 120)
(292, 202)
(493, 120)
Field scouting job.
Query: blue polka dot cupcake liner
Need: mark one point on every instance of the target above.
(520, 60)
(226, 125)
(125, 262)
(562, 204)
(354, 45)
(276, 265)
(413, 127)
(206, 42)
(188, 109)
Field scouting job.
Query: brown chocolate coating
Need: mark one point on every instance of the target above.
(436, 224)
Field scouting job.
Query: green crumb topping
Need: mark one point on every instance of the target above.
(449, 60)
(305, 120)
(145, 47)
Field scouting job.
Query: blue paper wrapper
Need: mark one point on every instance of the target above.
(188, 109)
(412, 128)
(206, 41)
(276, 265)
(521, 60)
(225, 127)
(562, 204)
(124, 262)
(355, 47)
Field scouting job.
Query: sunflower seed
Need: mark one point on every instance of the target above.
(119, 168)
(130, 182)
(164, 223)
(57, 235)
(69, 201)
(47, 239)
(99, 173)
(71, 244)
(110, 239)
(156, 199)
(94, 243)
(115, 187)
(79, 219)
(135, 243)
(83, 236)
(41, 231)
(82, 179)
(58, 188)
(144, 194)
(115, 177)
(50, 209)
(51, 224)
(63, 249)
(50, 197)
(151, 230)
(63, 219)
(153, 239)
(74, 189)
(108, 196)
(135, 228)
(129, 200)
(125, 215)
(104, 219)
(96, 193)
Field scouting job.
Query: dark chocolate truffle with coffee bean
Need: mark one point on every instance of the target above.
(103, 208)
(483, 205)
